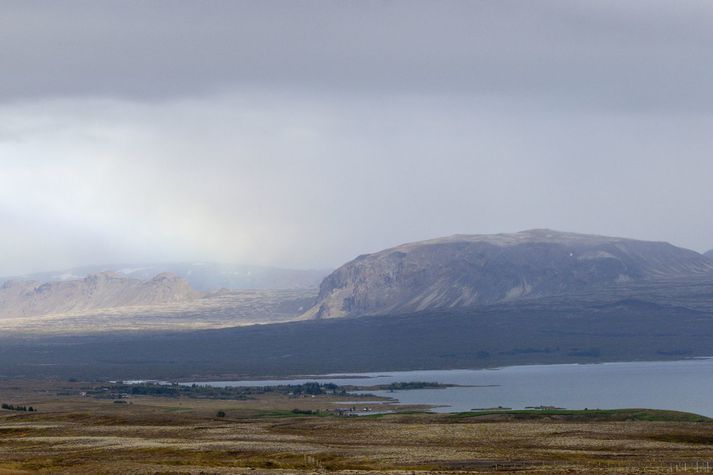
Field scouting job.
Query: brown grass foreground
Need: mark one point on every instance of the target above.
(79, 435)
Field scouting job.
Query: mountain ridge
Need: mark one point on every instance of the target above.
(203, 276)
(471, 270)
(102, 290)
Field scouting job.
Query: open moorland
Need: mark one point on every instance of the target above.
(79, 428)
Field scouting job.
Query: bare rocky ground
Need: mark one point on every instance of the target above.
(217, 310)
(151, 435)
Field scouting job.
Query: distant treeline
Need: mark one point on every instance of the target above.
(15, 407)
(123, 390)
(413, 385)
(119, 390)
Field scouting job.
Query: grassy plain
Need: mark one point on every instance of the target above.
(148, 434)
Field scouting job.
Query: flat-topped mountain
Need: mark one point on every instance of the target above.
(472, 270)
(102, 290)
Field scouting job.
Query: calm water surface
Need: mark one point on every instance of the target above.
(679, 385)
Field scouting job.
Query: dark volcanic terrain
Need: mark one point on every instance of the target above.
(624, 322)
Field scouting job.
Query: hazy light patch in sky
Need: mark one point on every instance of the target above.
(242, 137)
(310, 183)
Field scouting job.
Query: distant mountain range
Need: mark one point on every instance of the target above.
(204, 276)
(443, 274)
(709, 254)
(473, 270)
(463, 301)
(103, 290)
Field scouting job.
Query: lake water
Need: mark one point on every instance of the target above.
(678, 385)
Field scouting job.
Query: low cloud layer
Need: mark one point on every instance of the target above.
(303, 134)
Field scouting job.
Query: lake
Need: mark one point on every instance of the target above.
(678, 385)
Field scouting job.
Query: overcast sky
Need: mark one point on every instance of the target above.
(303, 133)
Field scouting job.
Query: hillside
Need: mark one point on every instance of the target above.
(204, 276)
(709, 254)
(470, 270)
(103, 290)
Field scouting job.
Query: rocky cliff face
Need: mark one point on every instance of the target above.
(470, 270)
(103, 290)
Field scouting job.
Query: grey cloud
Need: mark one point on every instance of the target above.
(312, 182)
(635, 55)
(305, 133)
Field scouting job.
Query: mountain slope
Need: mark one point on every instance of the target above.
(709, 254)
(205, 276)
(471, 270)
(103, 290)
